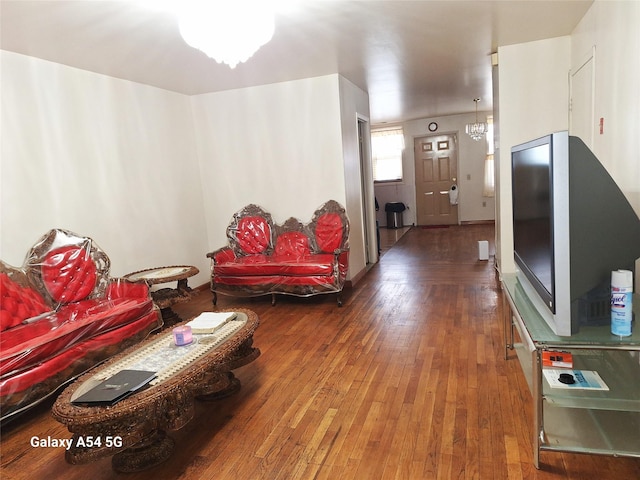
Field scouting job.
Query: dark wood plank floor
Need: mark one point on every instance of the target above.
(407, 380)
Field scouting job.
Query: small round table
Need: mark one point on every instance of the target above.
(165, 298)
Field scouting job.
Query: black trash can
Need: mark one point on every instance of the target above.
(394, 214)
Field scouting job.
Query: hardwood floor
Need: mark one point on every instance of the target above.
(389, 237)
(407, 380)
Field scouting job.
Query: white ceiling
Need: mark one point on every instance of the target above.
(416, 59)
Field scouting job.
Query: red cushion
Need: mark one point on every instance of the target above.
(26, 345)
(253, 234)
(69, 274)
(271, 283)
(292, 244)
(11, 385)
(17, 303)
(329, 232)
(257, 265)
(224, 255)
(120, 288)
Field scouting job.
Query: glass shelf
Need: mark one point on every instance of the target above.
(541, 333)
(570, 420)
(605, 432)
(619, 369)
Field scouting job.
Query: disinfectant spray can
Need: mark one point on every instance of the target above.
(621, 295)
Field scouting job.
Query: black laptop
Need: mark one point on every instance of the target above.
(115, 388)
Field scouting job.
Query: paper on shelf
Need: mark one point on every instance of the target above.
(585, 379)
(209, 322)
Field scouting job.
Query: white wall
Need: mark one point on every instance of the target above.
(471, 157)
(103, 157)
(155, 176)
(612, 27)
(534, 99)
(354, 105)
(277, 145)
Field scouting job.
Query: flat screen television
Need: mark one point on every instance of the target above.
(572, 226)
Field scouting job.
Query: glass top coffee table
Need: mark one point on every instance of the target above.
(133, 430)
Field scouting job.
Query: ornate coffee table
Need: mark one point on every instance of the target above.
(133, 430)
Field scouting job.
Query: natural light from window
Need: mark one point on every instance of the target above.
(489, 187)
(386, 150)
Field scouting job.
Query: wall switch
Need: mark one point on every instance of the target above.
(468, 176)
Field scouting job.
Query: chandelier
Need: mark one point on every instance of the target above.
(476, 130)
(228, 32)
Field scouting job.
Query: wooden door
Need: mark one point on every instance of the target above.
(436, 162)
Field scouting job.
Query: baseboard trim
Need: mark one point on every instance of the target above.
(203, 287)
(359, 276)
(478, 222)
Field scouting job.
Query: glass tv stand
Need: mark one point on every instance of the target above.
(567, 418)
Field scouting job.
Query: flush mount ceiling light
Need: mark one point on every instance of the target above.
(476, 130)
(228, 32)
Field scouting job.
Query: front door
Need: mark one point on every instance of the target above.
(436, 159)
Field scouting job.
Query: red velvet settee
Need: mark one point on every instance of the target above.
(61, 314)
(293, 258)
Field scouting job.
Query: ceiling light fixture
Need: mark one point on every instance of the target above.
(228, 32)
(476, 130)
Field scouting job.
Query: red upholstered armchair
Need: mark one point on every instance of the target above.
(292, 259)
(61, 314)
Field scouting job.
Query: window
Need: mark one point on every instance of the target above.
(386, 151)
(489, 189)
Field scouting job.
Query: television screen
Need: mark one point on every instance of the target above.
(572, 226)
(532, 215)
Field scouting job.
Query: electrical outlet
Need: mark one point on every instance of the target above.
(484, 204)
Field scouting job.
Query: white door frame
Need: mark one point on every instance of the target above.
(367, 194)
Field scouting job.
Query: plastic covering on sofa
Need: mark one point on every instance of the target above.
(61, 314)
(263, 257)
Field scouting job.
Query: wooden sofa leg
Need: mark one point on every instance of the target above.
(339, 299)
(273, 299)
(215, 298)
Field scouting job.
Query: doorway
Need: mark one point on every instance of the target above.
(366, 191)
(436, 167)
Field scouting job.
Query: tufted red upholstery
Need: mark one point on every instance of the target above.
(292, 244)
(69, 274)
(329, 232)
(17, 303)
(253, 235)
(62, 313)
(290, 258)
